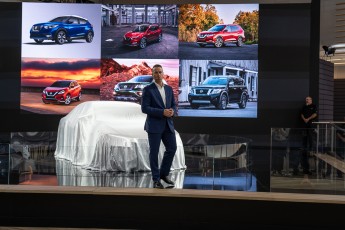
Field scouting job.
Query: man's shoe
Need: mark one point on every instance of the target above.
(167, 180)
(157, 184)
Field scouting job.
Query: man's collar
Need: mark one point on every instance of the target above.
(158, 84)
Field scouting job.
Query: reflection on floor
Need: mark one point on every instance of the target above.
(213, 163)
(322, 179)
(308, 184)
(70, 175)
(37, 179)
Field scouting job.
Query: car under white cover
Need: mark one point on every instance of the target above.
(109, 136)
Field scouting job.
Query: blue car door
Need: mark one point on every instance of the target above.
(73, 27)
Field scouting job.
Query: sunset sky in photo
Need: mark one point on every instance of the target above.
(37, 72)
(228, 12)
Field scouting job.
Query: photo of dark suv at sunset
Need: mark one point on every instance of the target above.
(62, 91)
(219, 91)
(63, 29)
(142, 35)
(221, 35)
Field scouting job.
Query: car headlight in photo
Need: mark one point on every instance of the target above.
(49, 26)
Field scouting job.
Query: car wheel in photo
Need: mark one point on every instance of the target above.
(160, 37)
(68, 99)
(243, 102)
(219, 42)
(79, 97)
(45, 102)
(239, 41)
(89, 37)
(39, 41)
(60, 37)
(142, 43)
(223, 102)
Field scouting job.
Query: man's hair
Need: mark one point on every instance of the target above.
(157, 65)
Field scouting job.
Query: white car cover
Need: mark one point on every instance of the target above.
(109, 136)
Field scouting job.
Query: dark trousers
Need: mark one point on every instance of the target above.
(279, 149)
(297, 156)
(169, 140)
(305, 161)
(308, 139)
(308, 145)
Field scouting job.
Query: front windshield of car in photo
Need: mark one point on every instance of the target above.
(140, 29)
(216, 28)
(238, 82)
(215, 81)
(60, 84)
(141, 79)
(58, 19)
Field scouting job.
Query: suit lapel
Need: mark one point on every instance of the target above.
(158, 95)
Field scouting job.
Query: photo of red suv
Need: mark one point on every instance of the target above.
(62, 91)
(143, 34)
(221, 34)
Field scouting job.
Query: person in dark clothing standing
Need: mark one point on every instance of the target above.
(113, 20)
(158, 103)
(308, 115)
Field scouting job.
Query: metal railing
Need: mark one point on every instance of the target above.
(308, 160)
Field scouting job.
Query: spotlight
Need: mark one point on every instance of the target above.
(329, 50)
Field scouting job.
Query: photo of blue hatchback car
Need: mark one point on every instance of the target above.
(63, 29)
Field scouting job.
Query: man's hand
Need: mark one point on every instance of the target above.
(305, 120)
(168, 112)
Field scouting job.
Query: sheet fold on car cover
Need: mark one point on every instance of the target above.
(109, 136)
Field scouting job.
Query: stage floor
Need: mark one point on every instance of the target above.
(199, 176)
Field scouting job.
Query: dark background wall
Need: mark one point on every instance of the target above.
(339, 99)
(286, 77)
(326, 91)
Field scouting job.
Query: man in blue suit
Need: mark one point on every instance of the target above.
(159, 104)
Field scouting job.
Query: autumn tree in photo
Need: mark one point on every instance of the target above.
(193, 18)
(249, 21)
(211, 17)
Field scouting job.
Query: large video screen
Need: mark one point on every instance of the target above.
(72, 53)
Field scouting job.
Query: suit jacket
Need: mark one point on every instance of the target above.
(152, 104)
